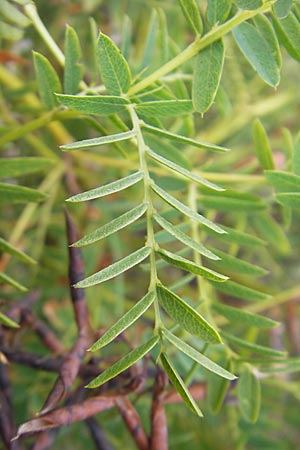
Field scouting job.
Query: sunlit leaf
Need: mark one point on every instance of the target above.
(186, 316)
(116, 268)
(124, 363)
(107, 189)
(179, 385)
(128, 319)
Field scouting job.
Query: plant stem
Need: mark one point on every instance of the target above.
(150, 210)
(199, 44)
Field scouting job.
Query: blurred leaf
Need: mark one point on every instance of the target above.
(241, 316)
(116, 268)
(191, 266)
(187, 317)
(124, 363)
(296, 158)
(113, 66)
(231, 263)
(72, 70)
(218, 10)
(150, 40)
(11, 193)
(249, 395)
(163, 108)
(290, 199)
(253, 348)
(283, 181)
(10, 32)
(282, 8)
(179, 385)
(288, 32)
(113, 226)
(182, 237)
(7, 322)
(258, 52)
(232, 201)
(240, 291)
(107, 189)
(47, 79)
(248, 4)
(102, 140)
(262, 146)
(185, 210)
(217, 387)
(8, 280)
(128, 319)
(94, 104)
(238, 237)
(272, 232)
(13, 14)
(207, 75)
(192, 14)
(197, 356)
(6, 247)
(14, 167)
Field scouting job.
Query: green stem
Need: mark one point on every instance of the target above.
(150, 210)
(199, 44)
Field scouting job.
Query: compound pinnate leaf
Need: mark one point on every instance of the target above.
(73, 70)
(186, 316)
(11, 193)
(113, 66)
(179, 385)
(184, 238)
(262, 146)
(249, 395)
(258, 52)
(185, 209)
(116, 268)
(14, 167)
(207, 75)
(164, 108)
(94, 104)
(182, 171)
(107, 189)
(113, 226)
(191, 266)
(102, 140)
(47, 79)
(182, 139)
(241, 316)
(128, 319)
(192, 14)
(124, 363)
(197, 356)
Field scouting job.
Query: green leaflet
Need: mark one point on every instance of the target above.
(255, 348)
(288, 32)
(182, 139)
(114, 69)
(238, 237)
(197, 356)
(94, 104)
(7, 322)
(182, 171)
(11, 193)
(231, 263)
(248, 4)
(296, 156)
(207, 75)
(185, 210)
(192, 14)
(8, 280)
(87, 143)
(6, 247)
(262, 146)
(244, 317)
(191, 266)
(179, 385)
(249, 395)
(272, 232)
(122, 324)
(217, 386)
(184, 238)
(14, 167)
(10, 32)
(218, 10)
(13, 14)
(258, 52)
(150, 40)
(164, 108)
(265, 28)
(282, 8)
(123, 364)
(113, 226)
(240, 291)
(72, 70)
(232, 201)
(290, 199)
(283, 181)
(108, 189)
(47, 79)
(116, 268)
(187, 317)
(168, 150)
